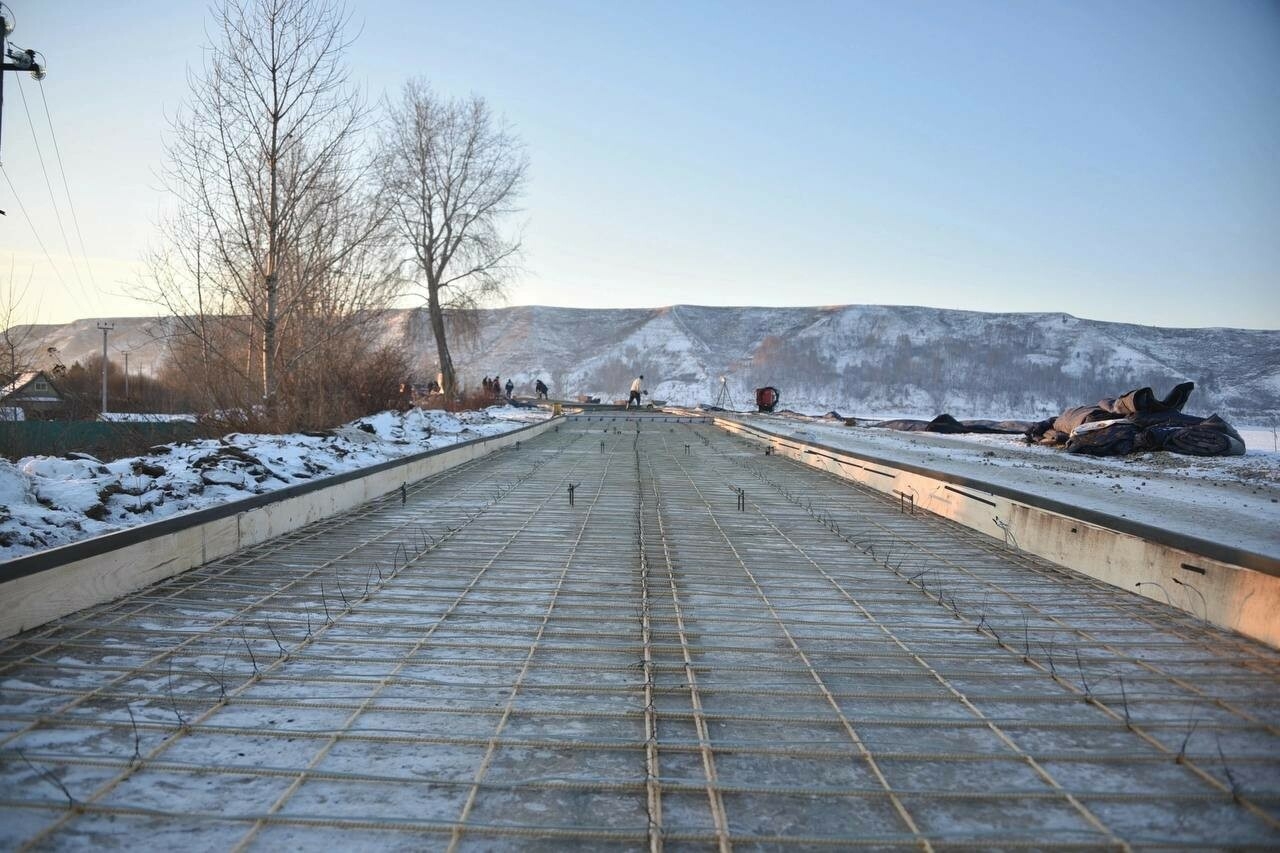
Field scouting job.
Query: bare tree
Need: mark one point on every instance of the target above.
(273, 217)
(451, 174)
(19, 347)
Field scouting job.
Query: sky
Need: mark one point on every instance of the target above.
(1115, 161)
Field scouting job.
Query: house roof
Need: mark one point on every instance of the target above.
(25, 379)
(21, 380)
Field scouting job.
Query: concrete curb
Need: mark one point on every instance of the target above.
(1229, 587)
(49, 584)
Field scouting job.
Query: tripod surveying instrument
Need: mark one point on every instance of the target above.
(724, 400)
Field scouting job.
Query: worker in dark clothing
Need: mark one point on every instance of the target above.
(509, 387)
(540, 388)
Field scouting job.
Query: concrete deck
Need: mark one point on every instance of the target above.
(709, 648)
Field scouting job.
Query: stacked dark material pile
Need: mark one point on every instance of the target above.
(1136, 422)
(947, 425)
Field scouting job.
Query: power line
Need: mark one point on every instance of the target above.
(31, 225)
(66, 186)
(49, 185)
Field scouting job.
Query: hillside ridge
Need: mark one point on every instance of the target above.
(868, 360)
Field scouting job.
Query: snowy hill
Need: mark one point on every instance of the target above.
(869, 360)
(857, 359)
(144, 338)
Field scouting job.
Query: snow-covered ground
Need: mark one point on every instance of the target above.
(46, 501)
(1231, 500)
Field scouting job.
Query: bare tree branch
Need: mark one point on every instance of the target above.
(19, 350)
(277, 251)
(451, 175)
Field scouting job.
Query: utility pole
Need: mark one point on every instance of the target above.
(14, 58)
(105, 327)
(126, 378)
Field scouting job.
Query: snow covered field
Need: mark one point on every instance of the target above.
(1231, 500)
(47, 501)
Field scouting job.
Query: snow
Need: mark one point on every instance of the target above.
(1232, 500)
(144, 418)
(47, 501)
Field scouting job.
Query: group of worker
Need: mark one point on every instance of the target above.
(496, 388)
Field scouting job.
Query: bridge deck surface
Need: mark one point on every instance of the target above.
(709, 647)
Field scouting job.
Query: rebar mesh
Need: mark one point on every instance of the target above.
(483, 664)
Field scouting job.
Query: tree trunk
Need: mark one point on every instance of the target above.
(273, 255)
(448, 380)
(269, 340)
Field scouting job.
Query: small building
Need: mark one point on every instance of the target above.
(35, 394)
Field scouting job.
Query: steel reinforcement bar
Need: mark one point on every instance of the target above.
(1222, 584)
(705, 647)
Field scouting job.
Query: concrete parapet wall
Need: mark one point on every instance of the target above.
(49, 584)
(1227, 587)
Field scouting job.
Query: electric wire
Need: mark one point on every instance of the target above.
(75, 218)
(49, 185)
(32, 226)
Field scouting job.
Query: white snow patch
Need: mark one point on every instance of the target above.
(49, 501)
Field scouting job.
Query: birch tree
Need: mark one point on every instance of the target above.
(451, 174)
(274, 248)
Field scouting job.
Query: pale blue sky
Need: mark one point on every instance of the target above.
(1114, 160)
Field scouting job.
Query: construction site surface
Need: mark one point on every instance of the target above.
(636, 632)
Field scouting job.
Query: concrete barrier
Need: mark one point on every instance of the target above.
(1226, 586)
(48, 584)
